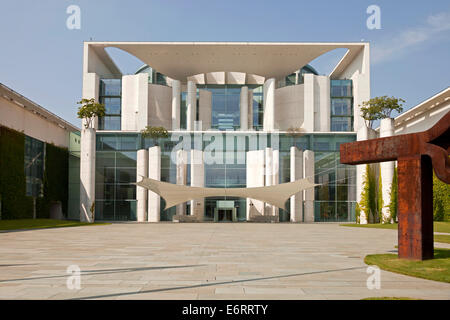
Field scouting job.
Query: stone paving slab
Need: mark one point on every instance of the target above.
(202, 261)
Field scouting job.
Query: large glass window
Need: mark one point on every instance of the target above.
(226, 105)
(341, 88)
(110, 96)
(116, 171)
(258, 108)
(34, 166)
(341, 105)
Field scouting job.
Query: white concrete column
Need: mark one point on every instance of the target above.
(363, 133)
(191, 105)
(181, 177)
(244, 108)
(308, 107)
(205, 109)
(87, 175)
(269, 104)
(154, 172)
(141, 193)
(255, 178)
(275, 174)
(176, 102)
(386, 169)
(268, 208)
(197, 180)
(91, 89)
(324, 102)
(308, 172)
(250, 110)
(296, 173)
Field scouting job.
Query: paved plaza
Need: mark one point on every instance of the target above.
(202, 261)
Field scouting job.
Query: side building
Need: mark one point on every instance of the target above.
(34, 159)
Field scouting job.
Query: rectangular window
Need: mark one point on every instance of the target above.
(34, 166)
(341, 105)
(111, 97)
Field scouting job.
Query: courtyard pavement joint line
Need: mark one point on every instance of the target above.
(215, 283)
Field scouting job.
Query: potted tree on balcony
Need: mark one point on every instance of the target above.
(155, 133)
(89, 110)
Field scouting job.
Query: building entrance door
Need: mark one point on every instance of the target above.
(225, 215)
(225, 212)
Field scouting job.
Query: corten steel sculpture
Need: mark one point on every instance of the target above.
(417, 154)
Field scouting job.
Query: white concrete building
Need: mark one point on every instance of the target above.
(238, 115)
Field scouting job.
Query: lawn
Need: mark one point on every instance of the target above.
(437, 269)
(445, 238)
(438, 226)
(390, 298)
(41, 223)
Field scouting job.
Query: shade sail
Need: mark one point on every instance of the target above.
(174, 194)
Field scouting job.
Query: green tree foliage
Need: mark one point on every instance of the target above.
(90, 109)
(380, 108)
(368, 201)
(154, 133)
(393, 206)
(441, 200)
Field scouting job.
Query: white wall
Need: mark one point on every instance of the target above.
(135, 98)
(205, 108)
(159, 106)
(359, 72)
(17, 118)
(289, 108)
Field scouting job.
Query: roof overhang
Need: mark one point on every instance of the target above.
(179, 60)
(27, 104)
(436, 101)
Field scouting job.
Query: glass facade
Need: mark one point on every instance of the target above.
(116, 171)
(296, 77)
(341, 105)
(226, 105)
(34, 166)
(154, 77)
(110, 96)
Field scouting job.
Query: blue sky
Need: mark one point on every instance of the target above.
(42, 59)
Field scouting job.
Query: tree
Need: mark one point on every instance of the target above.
(380, 108)
(90, 109)
(155, 133)
(394, 197)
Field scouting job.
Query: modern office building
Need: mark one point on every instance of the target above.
(238, 115)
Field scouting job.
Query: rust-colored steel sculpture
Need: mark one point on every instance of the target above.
(417, 154)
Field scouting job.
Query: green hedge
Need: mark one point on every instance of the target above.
(441, 200)
(15, 203)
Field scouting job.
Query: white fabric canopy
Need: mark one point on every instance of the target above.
(276, 195)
